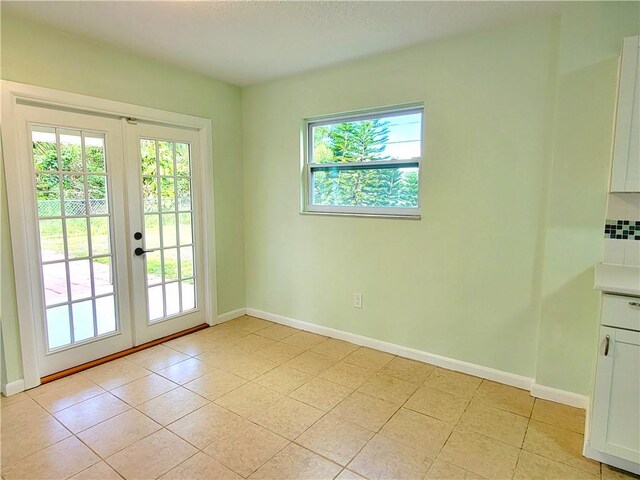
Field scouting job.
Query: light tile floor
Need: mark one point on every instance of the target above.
(252, 399)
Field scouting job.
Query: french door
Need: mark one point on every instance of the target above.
(165, 221)
(115, 224)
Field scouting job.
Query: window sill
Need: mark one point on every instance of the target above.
(364, 215)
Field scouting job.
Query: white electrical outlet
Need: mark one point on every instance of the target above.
(357, 300)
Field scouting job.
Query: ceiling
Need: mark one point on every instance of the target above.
(247, 42)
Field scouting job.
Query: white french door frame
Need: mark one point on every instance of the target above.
(25, 260)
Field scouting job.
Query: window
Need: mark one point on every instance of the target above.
(365, 163)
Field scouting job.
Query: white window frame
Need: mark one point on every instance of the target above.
(24, 256)
(309, 166)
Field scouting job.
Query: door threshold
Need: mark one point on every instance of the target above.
(123, 353)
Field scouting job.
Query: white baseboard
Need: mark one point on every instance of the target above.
(12, 388)
(560, 396)
(225, 317)
(407, 352)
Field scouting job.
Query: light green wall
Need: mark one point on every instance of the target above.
(464, 281)
(590, 42)
(499, 270)
(38, 55)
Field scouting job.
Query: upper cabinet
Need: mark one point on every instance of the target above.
(625, 173)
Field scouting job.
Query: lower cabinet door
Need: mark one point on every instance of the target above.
(615, 425)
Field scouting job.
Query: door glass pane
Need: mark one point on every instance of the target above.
(102, 275)
(48, 195)
(186, 236)
(150, 194)
(183, 163)
(156, 303)
(74, 195)
(154, 267)
(55, 283)
(170, 264)
(97, 190)
(74, 233)
(152, 231)
(106, 314)
(186, 262)
(188, 295)
(51, 240)
(148, 157)
(80, 279)
(100, 236)
(95, 153)
(45, 150)
(184, 194)
(168, 194)
(77, 237)
(71, 150)
(169, 230)
(166, 158)
(173, 298)
(82, 320)
(170, 272)
(58, 331)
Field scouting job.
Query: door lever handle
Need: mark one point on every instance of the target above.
(141, 251)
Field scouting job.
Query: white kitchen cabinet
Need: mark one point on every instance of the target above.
(615, 415)
(625, 171)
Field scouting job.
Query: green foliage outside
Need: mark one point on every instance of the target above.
(361, 141)
(45, 157)
(48, 190)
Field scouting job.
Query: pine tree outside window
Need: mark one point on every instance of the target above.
(365, 163)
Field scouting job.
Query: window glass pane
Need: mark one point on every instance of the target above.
(183, 162)
(51, 240)
(102, 275)
(54, 276)
(77, 239)
(148, 157)
(151, 231)
(74, 198)
(173, 298)
(186, 236)
(94, 152)
(71, 150)
(100, 238)
(106, 314)
(45, 152)
(385, 138)
(48, 195)
(165, 150)
(80, 278)
(384, 187)
(98, 203)
(58, 332)
(82, 320)
(150, 194)
(156, 302)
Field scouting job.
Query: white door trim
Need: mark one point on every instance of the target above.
(23, 258)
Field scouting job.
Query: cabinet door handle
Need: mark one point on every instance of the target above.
(607, 340)
(634, 304)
